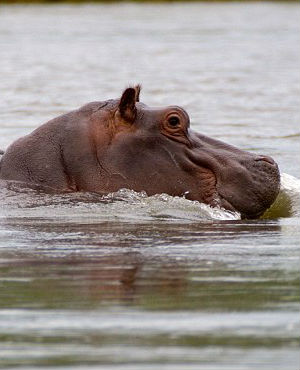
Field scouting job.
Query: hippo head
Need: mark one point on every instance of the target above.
(154, 150)
(122, 143)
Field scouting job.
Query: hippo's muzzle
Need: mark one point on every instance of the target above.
(244, 182)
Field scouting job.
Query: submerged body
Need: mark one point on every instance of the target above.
(105, 146)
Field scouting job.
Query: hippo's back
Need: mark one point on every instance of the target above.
(39, 157)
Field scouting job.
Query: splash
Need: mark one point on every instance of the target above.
(124, 205)
(287, 204)
(163, 206)
(130, 206)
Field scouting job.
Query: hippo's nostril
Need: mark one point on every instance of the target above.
(267, 159)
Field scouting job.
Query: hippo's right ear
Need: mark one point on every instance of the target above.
(127, 106)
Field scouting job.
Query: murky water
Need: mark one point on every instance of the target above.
(131, 282)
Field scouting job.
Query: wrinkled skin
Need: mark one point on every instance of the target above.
(105, 146)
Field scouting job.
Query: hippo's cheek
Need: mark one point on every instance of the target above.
(205, 187)
(208, 186)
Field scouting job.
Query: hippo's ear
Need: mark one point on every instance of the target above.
(137, 92)
(127, 106)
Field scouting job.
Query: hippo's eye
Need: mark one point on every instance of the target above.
(174, 121)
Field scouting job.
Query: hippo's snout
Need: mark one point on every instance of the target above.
(252, 186)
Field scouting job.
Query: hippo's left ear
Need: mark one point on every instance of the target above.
(127, 106)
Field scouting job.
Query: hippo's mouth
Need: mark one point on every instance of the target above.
(219, 201)
(210, 189)
(245, 211)
(226, 204)
(248, 209)
(208, 180)
(215, 197)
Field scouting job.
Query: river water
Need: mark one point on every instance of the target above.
(135, 282)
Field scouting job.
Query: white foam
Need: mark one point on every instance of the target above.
(128, 205)
(123, 205)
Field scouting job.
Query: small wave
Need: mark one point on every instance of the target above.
(130, 206)
(165, 206)
(123, 205)
(287, 204)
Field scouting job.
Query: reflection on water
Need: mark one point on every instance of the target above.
(135, 282)
(84, 290)
(114, 264)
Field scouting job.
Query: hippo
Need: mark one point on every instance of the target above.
(123, 143)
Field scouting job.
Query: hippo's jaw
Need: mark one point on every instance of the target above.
(251, 203)
(210, 194)
(254, 190)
